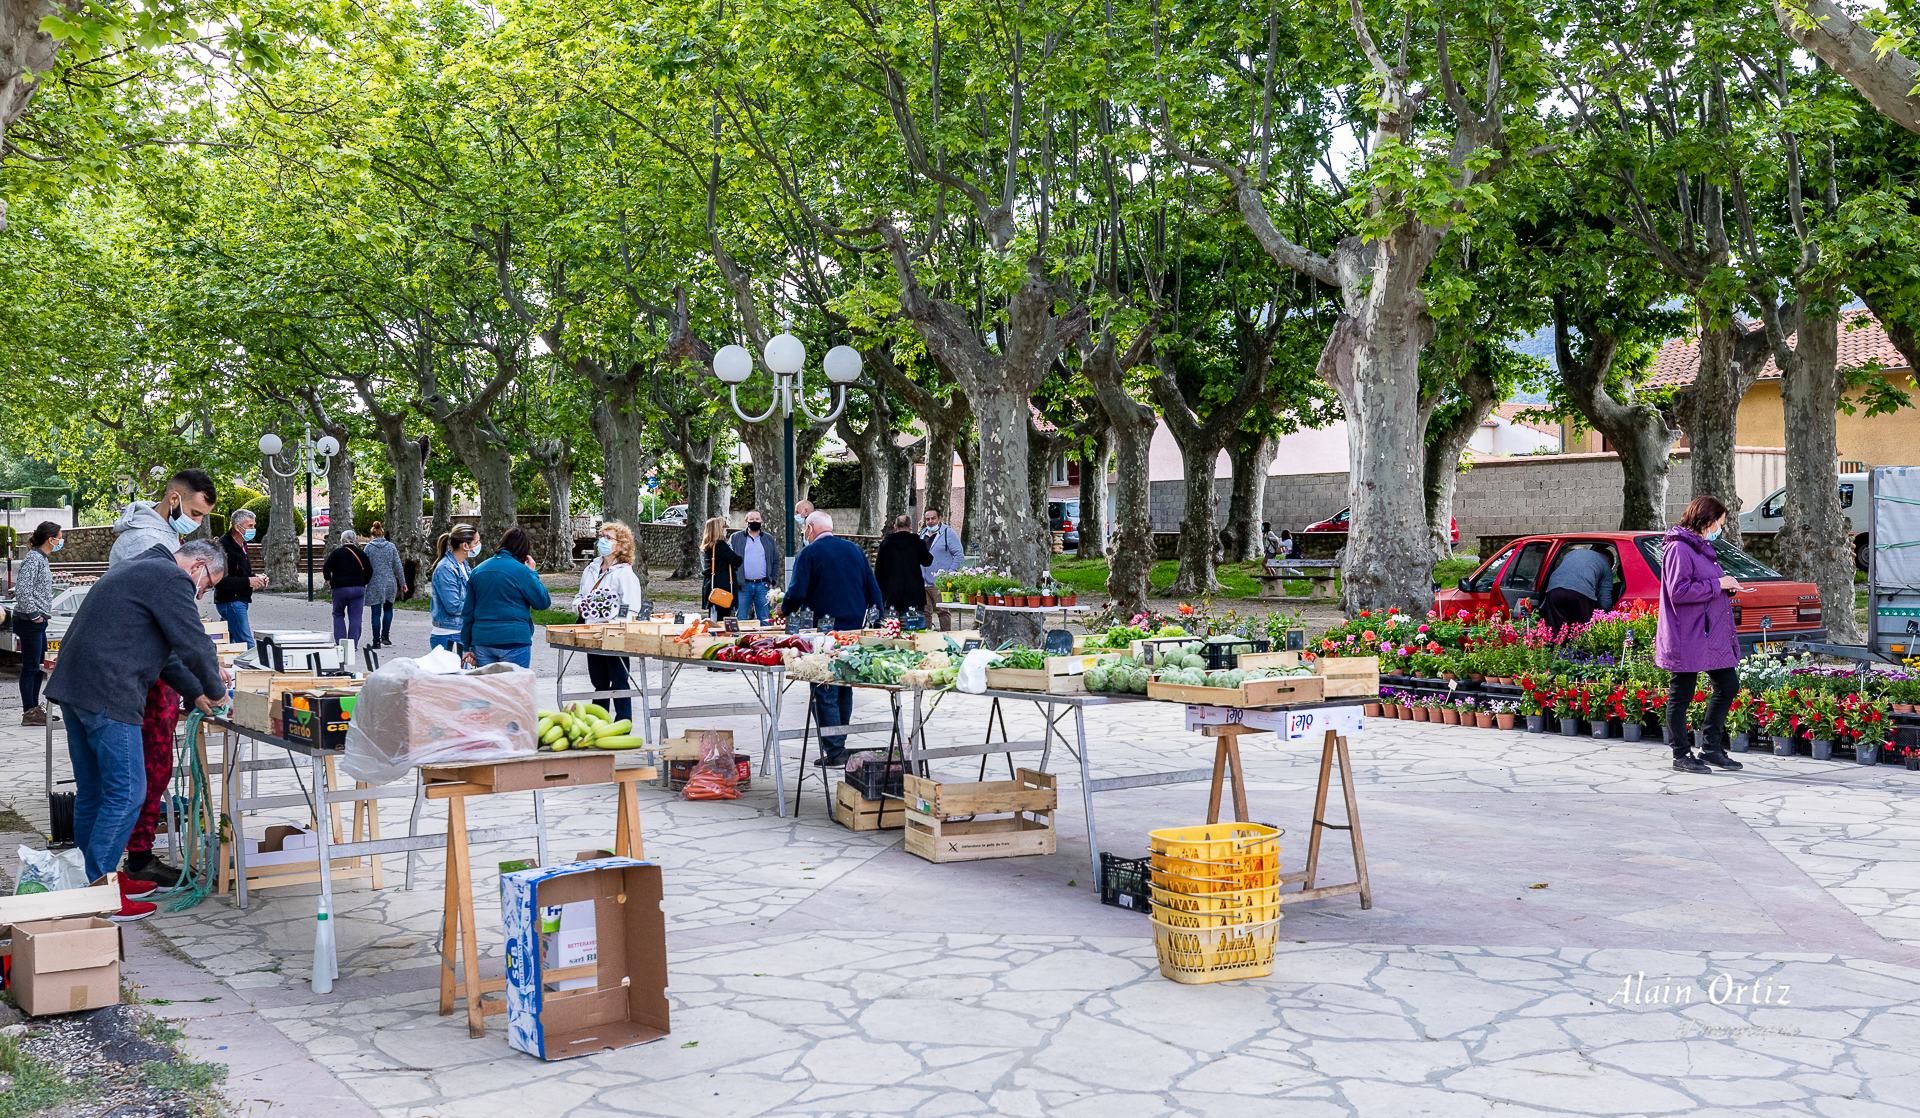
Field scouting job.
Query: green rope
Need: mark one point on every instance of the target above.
(202, 845)
(1898, 500)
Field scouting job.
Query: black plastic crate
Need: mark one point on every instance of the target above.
(876, 780)
(1123, 881)
(1223, 655)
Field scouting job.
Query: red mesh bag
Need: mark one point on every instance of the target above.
(713, 776)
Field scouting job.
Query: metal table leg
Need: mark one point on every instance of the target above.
(325, 960)
(1086, 788)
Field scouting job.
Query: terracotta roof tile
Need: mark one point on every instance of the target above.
(1679, 360)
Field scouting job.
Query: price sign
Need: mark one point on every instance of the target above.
(733, 626)
(980, 614)
(970, 644)
(646, 610)
(793, 624)
(1059, 642)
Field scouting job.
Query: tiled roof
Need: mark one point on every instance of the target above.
(1679, 360)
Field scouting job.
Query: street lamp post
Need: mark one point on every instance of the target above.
(784, 357)
(311, 455)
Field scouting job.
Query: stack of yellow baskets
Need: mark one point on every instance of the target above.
(1216, 901)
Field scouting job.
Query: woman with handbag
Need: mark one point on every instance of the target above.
(610, 591)
(720, 569)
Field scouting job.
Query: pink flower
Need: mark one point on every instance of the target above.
(1423, 628)
(1433, 613)
(1386, 647)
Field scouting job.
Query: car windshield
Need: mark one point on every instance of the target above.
(1732, 560)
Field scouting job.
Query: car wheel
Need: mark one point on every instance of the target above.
(1861, 547)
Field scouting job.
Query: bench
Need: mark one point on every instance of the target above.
(1321, 573)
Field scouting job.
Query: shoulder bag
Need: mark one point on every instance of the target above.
(719, 597)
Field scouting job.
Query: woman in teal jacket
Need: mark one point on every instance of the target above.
(496, 623)
(449, 584)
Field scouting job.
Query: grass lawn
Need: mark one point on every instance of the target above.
(540, 616)
(1089, 576)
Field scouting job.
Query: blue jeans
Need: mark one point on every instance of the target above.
(751, 601)
(380, 619)
(484, 654)
(110, 785)
(347, 601)
(832, 706)
(442, 640)
(239, 630)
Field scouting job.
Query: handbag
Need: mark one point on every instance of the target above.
(719, 597)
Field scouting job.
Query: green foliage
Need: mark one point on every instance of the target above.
(182, 1074)
(37, 1085)
(838, 486)
(262, 507)
(47, 497)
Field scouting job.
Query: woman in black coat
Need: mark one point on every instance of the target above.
(347, 571)
(897, 567)
(719, 566)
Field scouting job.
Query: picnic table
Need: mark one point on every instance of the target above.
(1321, 573)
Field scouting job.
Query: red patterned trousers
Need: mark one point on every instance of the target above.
(156, 735)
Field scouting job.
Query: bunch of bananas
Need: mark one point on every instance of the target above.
(585, 726)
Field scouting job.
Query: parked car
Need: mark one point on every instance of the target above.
(1771, 513)
(1064, 517)
(1768, 607)
(1338, 523)
(322, 519)
(675, 514)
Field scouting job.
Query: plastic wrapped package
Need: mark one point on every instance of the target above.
(713, 776)
(973, 671)
(407, 716)
(49, 872)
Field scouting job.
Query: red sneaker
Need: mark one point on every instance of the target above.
(131, 911)
(134, 887)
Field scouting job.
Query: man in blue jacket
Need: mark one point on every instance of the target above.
(832, 578)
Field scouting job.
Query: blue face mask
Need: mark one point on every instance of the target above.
(58, 544)
(1714, 535)
(247, 535)
(183, 524)
(604, 547)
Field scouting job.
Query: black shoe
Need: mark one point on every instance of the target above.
(1687, 764)
(825, 762)
(1719, 760)
(163, 876)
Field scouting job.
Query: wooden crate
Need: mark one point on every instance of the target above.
(932, 640)
(940, 840)
(857, 813)
(531, 773)
(574, 636)
(256, 700)
(1350, 675)
(1268, 660)
(1284, 691)
(1158, 643)
(1063, 675)
(1031, 791)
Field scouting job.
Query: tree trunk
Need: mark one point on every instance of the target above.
(764, 443)
(1003, 505)
(1731, 356)
(339, 490)
(1199, 538)
(899, 476)
(865, 443)
(281, 547)
(1043, 447)
(442, 513)
(1131, 424)
(617, 423)
(696, 458)
(485, 457)
(1093, 494)
(969, 451)
(1440, 474)
(942, 444)
(555, 545)
(1251, 454)
(1640, 433)
(405, 457)
(1813, 544)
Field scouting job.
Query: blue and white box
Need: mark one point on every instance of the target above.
(626, 1003)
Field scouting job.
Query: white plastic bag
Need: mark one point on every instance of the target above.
(407, 716)
(973, 671)
(65, 870)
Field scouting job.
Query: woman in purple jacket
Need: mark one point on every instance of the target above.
(1696, 633)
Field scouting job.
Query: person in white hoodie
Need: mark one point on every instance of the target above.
(610, 591)
(152, 530)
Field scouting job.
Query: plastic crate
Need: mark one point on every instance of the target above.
(1233, 844)
(878, 781)
(1196, 877)
(1224, 918)
(1124, 881)
(1222, 655)
(1238, 900)
(1199, 955)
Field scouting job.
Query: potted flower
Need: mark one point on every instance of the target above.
(1740, 721)
(1450, 712)
(1563, 711)
(1822, 724)
(1533, 706)
(1779, 716)
(1420, 709)
(1483, 715)
(1864, 718)
(1503, 712)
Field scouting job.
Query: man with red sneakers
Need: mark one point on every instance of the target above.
(152, 530)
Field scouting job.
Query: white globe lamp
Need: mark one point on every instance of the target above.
(784, 355)
(328, 446)
(733, 364)
(270, 445)
(842, 364)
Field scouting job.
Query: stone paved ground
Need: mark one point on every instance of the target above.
(815, 971)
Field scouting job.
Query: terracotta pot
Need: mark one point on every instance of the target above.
(1505, 721)
(1406, 714)
(1047, 599)
(1373, 710)
(1476, 677)
(1448, 675)
(1420, 714)
(1450, 716)
(1903, 708)
(1068, 600)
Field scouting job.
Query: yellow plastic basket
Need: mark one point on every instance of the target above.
(1199, 955)
(1218, 843)
(1222, 918)
(1180, 876)
(1237, 900)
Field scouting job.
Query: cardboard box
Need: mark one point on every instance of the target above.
(256, 697)
(627, 1002)
(60, 966)
(686, 747)
(317, 718)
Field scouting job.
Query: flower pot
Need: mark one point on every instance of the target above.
(1866, 753)
(1536, 723)
(1420, 714)
(1903, 708)
(1631, 731)
(1406, 714)
(1782, 745)
(1476, 677)
(1602, 728)
(1740, 742)
(1068, 600)
(1048, 599)
(1448, 675)
(1913, 762)
(1666, 734)
(1822, 749)
(1450, 716)
(1505, 721)
(1483, 720)
(1569, 727)
(1373, 710)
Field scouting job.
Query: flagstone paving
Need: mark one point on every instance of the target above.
(1542, 906)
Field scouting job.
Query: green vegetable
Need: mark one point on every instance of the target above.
(1029, 659)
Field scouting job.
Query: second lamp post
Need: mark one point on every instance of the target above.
(785, 358)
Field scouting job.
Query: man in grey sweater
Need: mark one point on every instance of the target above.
(1582, 582)
(137, 621)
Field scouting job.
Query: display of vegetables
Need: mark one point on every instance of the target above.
(1123, 636)
(584, 726)
(813, 667)
(875, 665)
(1178, 657)
(1028, 659)
(1121, 674)
(1232, 677)
(765, 651)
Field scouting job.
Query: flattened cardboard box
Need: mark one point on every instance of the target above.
(60, 966)
(627, 1003)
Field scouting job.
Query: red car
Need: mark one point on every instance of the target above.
(1338, 523)
(1768, 606)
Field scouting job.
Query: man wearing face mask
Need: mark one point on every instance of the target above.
(234, 595)
(152, 530)
(137, 625)
(760, 560)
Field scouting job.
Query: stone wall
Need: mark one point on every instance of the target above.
(662, 542)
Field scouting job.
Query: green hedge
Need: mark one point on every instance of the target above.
(47, 496)
(261, 507)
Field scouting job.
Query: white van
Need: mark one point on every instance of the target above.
(1772, 513)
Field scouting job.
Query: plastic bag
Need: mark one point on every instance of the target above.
(973, 671)
(714, 774)
(407, 716)
(51, 872)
